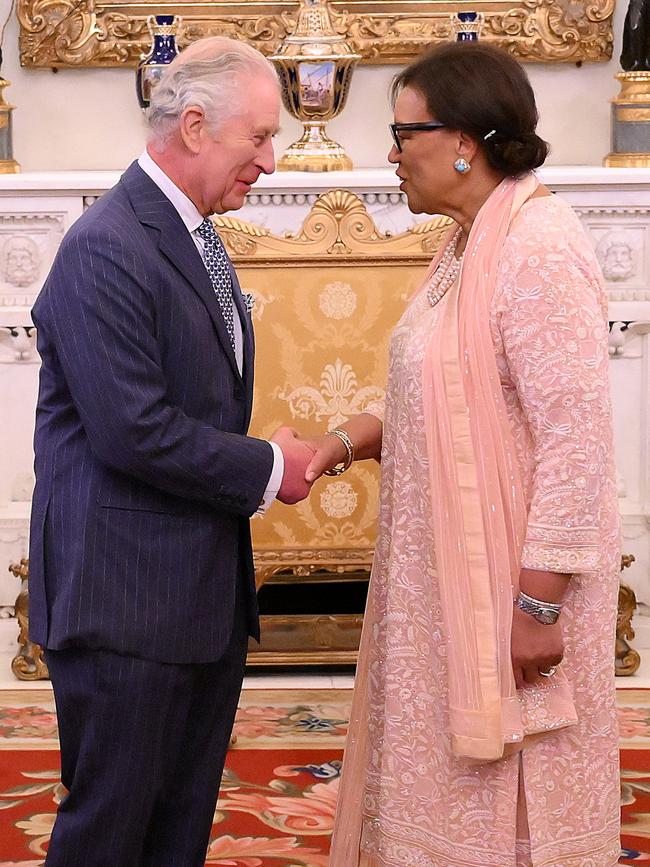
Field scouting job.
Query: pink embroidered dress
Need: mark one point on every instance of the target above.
(407, 798)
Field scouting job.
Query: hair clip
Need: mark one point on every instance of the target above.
(492, 132)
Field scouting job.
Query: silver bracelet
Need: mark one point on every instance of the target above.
(544, 612)
(349, 449)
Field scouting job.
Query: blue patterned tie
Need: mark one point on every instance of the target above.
(216, 263)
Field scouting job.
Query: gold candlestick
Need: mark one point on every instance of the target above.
(8, 164)
(631, 121)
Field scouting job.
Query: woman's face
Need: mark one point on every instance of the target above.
(425, 164)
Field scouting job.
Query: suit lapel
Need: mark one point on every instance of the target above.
(154, 209)
(248, 340)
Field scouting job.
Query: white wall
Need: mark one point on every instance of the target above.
(90, 119)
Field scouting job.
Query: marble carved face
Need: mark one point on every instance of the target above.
(19, 261)
(616, 257)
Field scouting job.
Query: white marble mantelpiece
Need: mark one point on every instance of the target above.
(368, 180)
(613, 204)
(281, 201)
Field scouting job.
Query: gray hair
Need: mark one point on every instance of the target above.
(207, 75)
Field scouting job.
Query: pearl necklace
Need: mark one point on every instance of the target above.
(444, 276)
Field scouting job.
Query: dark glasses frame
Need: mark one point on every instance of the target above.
(397, 128)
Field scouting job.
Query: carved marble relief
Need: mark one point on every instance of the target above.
(18, 344)
(621, 239)
(22, 487)
(28, 243)
(617, 256)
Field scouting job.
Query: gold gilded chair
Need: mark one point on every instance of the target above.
(326, 300)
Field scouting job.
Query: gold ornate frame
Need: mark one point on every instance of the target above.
(69, 33)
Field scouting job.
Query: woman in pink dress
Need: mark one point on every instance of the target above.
(483, 730)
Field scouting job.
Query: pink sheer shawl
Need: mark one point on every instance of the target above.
(479, 509)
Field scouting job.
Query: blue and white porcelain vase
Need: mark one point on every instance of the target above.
(467, 26)
(163, 29)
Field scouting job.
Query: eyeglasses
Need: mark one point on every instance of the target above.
(397, 128)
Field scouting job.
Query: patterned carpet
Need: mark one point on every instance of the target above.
(278, 796)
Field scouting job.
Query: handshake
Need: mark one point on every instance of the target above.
(305, 460)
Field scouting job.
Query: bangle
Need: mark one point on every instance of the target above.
(349, 449)
(544, 612)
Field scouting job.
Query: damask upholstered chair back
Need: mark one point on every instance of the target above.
(325, 302)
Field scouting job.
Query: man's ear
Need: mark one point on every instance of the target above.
(190, 128)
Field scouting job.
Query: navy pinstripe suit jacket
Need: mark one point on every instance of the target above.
(145, 480)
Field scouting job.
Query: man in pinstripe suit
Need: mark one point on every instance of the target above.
(142, 588)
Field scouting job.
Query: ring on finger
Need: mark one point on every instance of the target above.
(551, 671)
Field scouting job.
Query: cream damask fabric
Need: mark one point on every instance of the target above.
(322, 347)
(423, 807)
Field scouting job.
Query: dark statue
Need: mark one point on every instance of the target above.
(636, 37)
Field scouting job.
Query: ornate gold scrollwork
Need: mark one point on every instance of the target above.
(627, 660)
(114, 33)
(338, 225)
(28, 664)
(285, 563)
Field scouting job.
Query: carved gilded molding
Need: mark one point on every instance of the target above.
(29, 663)
(284, 565)
(73, 33)
(627, 660)
(337, 226)
(312, 639)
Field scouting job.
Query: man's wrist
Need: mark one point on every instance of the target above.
(275, 479)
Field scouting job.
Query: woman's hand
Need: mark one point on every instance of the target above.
(328, 452)
(535, 647)
(365, 432)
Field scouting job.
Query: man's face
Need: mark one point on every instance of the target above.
(230, 162)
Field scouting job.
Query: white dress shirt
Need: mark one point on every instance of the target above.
(192, 219)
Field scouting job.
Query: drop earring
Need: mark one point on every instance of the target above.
(462, 166)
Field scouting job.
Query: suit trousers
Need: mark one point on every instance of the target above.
(143, 746)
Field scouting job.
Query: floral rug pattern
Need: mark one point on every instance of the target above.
(278, 795)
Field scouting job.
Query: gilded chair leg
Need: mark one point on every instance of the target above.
(28, 664)
(627, 660)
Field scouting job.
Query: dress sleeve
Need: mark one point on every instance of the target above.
(552, 323)
(376, 408)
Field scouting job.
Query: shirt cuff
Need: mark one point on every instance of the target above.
(275, 479)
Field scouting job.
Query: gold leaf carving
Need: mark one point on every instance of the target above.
(112, 33)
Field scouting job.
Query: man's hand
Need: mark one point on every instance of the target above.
(297, 456)
(535, 647)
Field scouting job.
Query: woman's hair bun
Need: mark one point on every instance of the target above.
(516, 155)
